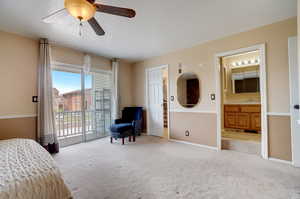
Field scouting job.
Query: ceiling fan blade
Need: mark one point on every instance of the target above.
(56, 16)
(96, 27)
(124, 12)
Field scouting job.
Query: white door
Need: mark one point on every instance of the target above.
(294, 100)
(155, 101)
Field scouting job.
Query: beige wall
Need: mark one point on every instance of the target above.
(201, 127)
(200, 59)
(126, 87)
(280, 137)
(18, 74)
(18, 128)
(18, 80)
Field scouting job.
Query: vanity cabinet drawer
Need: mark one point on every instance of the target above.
(232, 108)
(250, 109)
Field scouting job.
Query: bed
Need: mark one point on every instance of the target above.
(27, 171)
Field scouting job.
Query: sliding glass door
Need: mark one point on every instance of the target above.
(82, 104)
(97, 94)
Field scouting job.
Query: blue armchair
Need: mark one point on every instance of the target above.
(129, 125)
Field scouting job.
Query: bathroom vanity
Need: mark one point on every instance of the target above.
(242, 116)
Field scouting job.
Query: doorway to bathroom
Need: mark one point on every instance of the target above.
(241, 100)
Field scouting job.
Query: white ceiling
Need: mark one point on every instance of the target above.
(160, 26)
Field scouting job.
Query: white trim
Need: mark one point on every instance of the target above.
(281, 161)
(263, 90)
(278, 114)
(192, 111)
(168, 100)
(16, 116)
(293, 100)
(147, 101)
(193, 144)
(218, 100)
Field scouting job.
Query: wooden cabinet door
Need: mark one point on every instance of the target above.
(230, 120)
(243, 120)
(256, 121)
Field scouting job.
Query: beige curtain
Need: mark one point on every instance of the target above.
(46, 123)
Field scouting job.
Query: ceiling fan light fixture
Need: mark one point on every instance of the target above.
(80, 9)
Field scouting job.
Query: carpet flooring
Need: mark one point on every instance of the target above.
(153, 168)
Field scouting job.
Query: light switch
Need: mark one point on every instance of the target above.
(34, 99)
(187, 133)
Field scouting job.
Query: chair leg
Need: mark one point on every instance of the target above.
(129, 138)
(123, 141)
(111, 139)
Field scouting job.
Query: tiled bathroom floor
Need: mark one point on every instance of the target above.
(239, 135)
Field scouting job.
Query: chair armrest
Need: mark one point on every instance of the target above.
(118, 121)
(137, 125)
(133, 123)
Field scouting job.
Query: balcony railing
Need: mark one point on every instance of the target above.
(69, 123)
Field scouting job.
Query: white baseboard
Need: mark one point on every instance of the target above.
(278, 114)
(193, 144)
(281, 161)
(17, 116)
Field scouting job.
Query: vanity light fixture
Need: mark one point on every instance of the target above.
(246, 62)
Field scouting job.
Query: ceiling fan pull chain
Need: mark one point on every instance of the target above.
(80, 28)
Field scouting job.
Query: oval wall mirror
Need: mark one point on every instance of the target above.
(188, 90)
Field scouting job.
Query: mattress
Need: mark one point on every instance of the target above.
(28, 171)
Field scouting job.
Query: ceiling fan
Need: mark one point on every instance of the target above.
(84, 10)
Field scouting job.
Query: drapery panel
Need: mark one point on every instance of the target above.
(115, 90)
(46, 122)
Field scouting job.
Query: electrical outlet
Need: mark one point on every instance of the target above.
(187, 133)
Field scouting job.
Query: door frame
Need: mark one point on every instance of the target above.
(295, 160)
(263, 90)
(147, 70)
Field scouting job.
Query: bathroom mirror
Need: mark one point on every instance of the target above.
(188, 90)
(245, 80)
